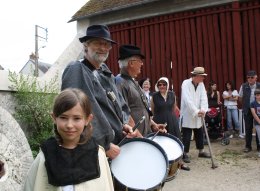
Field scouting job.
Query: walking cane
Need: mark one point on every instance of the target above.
(210, 150)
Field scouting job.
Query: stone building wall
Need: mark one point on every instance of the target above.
(7, 101)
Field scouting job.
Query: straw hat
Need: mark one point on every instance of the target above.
(199, 71)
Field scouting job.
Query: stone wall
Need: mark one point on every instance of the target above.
(7, 101)
(15, 153)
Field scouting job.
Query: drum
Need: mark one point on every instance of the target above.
(174, 150)
(141, 165)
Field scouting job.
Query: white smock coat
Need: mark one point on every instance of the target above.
(191, 103)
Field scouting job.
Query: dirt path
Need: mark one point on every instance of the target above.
(236, 170)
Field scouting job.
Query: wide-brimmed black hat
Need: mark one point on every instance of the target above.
(126, 51)
(97, 31)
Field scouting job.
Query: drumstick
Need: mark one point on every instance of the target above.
(155, 135)
(134, 128)
(165, 124)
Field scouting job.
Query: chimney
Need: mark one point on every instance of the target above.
(32, 56)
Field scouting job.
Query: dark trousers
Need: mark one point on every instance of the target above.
(186, 137)
(249, 130)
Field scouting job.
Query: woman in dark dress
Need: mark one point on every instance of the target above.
(163, 105)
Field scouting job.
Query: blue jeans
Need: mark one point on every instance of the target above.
(232, 114)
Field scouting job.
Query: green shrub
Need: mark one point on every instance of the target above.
(33, 107)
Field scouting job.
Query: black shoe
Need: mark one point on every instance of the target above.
(204, 155)
(247, 150)
(186, 158)
(184, 167)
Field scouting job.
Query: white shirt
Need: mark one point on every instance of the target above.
(68, 188)
(230, 104)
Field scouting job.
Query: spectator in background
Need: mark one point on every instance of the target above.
(145, 84)
(213, 95)
(213, 116)
(255, 109)
(230, 96)
(246, 94)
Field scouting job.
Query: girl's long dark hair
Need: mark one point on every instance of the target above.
(231, 84)
(210, 88)
(66, 100)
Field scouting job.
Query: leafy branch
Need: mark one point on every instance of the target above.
(33, 106)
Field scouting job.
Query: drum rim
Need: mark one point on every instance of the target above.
(170, 136)
(128, 140)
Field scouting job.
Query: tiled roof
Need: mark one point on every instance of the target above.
(94, 7)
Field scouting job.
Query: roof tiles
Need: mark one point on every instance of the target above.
(93, 7)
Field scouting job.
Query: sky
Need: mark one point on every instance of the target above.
(17, 37)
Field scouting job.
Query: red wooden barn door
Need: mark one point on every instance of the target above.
(225, 40)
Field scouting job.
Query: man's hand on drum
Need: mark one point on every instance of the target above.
(158, 127)
(113, 151)
(129, 133)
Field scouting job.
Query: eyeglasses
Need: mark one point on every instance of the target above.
(250, 77)
(161, 85)
(99, 43)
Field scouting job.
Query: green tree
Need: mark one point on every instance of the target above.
(33, 106)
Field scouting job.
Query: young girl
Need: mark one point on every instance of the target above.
(255, 110)
(72, 161)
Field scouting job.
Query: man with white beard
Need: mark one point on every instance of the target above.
(92, 75)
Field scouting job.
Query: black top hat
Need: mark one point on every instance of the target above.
(251, 73)
(97, 31)
(126, 51)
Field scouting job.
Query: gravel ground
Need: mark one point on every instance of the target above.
(237, 171)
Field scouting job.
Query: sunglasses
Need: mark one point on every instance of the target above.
(250, 77)
(161, 85)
